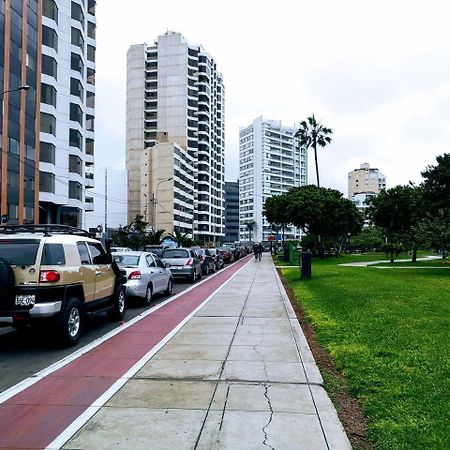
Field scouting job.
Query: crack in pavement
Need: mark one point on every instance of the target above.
(264, 429)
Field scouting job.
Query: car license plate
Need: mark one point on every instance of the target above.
(25, 300)
(175, 268)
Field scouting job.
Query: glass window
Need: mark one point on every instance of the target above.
(50, 10)
(53, 255)
(76, 88)
(13, 179)
(74, 164)
(49, 66)
(90, 147)
(91, 53)
(49, 37)
(76, 63)
(19, 252)
(159, 263)
(13, 146)
(83, 252)
(76, 114)
(90, 75)
(150, 261)
(48, 123)
(91, 7)
(91, 30)
(46, 182)
(77, 13)
(47, 152)
(89, 122)
(75, 138)
(90, 99)
(98, 254)
(76, 38)
(48, 94)
(74, 190)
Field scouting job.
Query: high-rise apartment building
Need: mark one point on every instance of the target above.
(365, 180)
(271, 161)
(231, 211)
(174, 87)
(48, 130)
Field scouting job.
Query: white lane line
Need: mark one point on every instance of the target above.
(99, 402)
(22, 385)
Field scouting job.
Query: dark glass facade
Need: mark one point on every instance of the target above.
(19, 66)
(231, 211)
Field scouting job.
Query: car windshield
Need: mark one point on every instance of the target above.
(19, 252)
(175, 253)
(126, 260)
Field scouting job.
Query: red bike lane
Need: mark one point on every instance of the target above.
(36, 416)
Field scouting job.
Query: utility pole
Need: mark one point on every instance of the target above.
(106, 200)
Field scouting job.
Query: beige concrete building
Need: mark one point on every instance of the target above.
(167, 186)
(174, 87)
(365, 180)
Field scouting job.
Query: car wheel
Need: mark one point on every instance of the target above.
(117, 312)
(214, 268)
(71, 322)
(148, 295)
(169, 289)
(206, 269)
(193, 277)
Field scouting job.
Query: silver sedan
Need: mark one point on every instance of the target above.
(146, 274)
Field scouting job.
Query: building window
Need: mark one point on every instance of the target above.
(77, 13)
(49, 66)
(47, 152)
(90, 147)
(48, 123)
(91, 7)
(91, 53)
(75, 138)
(13, 179)
(13, 146)
(76, 114)
(49, 37)
(91, 30)
(47, 182)
(50, 10)
(74, 190)
(74, 164)
(77, 38)
(76, 63)
(90, 76)
(48, 94)
(90, 99)
(76, 88)
(89, 122)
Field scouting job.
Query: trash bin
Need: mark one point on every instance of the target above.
(286, 254)
(305, 265)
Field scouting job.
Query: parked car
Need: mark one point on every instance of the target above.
(55, 275)
(147, 275)
(119, 249)
(156, 249)
(205, 257)
(183, 263)
(227, 254)
(218, 258)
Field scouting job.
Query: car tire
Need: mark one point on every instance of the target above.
(169, 289)
(193, 277)
(207, 269)
(7, 280)
(148, 295)
(117, 312)
(71, 322)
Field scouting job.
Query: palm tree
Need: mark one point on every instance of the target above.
(312, 134)
(250, 227)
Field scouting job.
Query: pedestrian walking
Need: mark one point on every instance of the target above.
(260, 251)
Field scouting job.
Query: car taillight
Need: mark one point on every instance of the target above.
(136, 275)
(49, 276)
(189, 262)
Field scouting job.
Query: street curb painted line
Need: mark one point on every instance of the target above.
(78, 423)
(21, 386)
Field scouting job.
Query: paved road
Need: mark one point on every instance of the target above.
(24, 353)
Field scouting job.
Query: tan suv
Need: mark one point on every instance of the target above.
(56, 274)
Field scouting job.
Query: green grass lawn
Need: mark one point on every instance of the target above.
(388, 332)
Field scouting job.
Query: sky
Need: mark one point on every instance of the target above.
(377, 73)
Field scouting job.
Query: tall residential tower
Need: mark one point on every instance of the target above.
(174, 89)
(271, 162)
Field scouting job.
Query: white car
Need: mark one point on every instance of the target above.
(146, 274)
(119, 249)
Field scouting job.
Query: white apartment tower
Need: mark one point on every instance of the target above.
(174, 87)
(271, 161)
(66, 158)
(365, 180)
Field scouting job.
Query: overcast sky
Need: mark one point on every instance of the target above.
(377, 73)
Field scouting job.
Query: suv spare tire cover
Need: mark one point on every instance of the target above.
(7, 280)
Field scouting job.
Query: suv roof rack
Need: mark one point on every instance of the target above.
(47, 230)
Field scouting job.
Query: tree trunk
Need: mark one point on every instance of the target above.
(414, 255)
(317, 166)
(392, 254)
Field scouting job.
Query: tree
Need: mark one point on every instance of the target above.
(311, 134)
(137, 234)
(370, 238)
(250, 226)
(437, 185)
(398, 212)
(154, 237)
(183, 239)
(275, 211)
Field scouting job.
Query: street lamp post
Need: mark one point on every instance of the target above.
(24, 87)
(155, 201)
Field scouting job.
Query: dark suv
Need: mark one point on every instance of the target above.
(56, 275)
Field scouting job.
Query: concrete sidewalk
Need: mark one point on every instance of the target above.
(238, 375)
